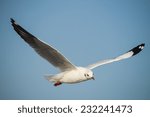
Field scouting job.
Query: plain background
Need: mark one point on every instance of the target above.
(84, 31)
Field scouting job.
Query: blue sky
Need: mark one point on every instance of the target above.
(84, 31)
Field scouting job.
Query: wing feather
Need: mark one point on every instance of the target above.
(44, 50)
(128, 54)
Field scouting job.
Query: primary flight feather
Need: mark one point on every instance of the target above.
(69, 72)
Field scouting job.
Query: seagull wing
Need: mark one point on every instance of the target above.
(128, 54)
(43, 49)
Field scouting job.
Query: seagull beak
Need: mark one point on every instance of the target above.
(93, 78)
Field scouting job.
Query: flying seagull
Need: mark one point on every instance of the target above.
(69, 73)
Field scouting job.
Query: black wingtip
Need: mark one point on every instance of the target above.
(12, 20)
(143, 44)
(137, 49)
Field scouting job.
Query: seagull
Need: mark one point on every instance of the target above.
(69, 73)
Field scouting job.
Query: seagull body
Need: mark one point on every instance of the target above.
(69, 72)
(72, 76)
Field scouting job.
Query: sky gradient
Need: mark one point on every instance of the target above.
(84, 31)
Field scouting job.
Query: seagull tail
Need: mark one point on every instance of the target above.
(51, 78)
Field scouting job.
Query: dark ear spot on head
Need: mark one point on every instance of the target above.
(86, 75)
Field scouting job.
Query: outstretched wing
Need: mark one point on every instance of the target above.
(128, 54)
(43, 49)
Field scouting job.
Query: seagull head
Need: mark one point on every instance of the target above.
(89, 75)
(86, 73)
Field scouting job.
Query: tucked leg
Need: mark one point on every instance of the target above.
(57, 83)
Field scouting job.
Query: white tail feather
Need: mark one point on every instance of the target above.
(52, 78)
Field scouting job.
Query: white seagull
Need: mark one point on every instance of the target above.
(69, 72)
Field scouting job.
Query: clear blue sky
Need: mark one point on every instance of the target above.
(85, 31)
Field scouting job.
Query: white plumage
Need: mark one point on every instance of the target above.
(69, 72)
